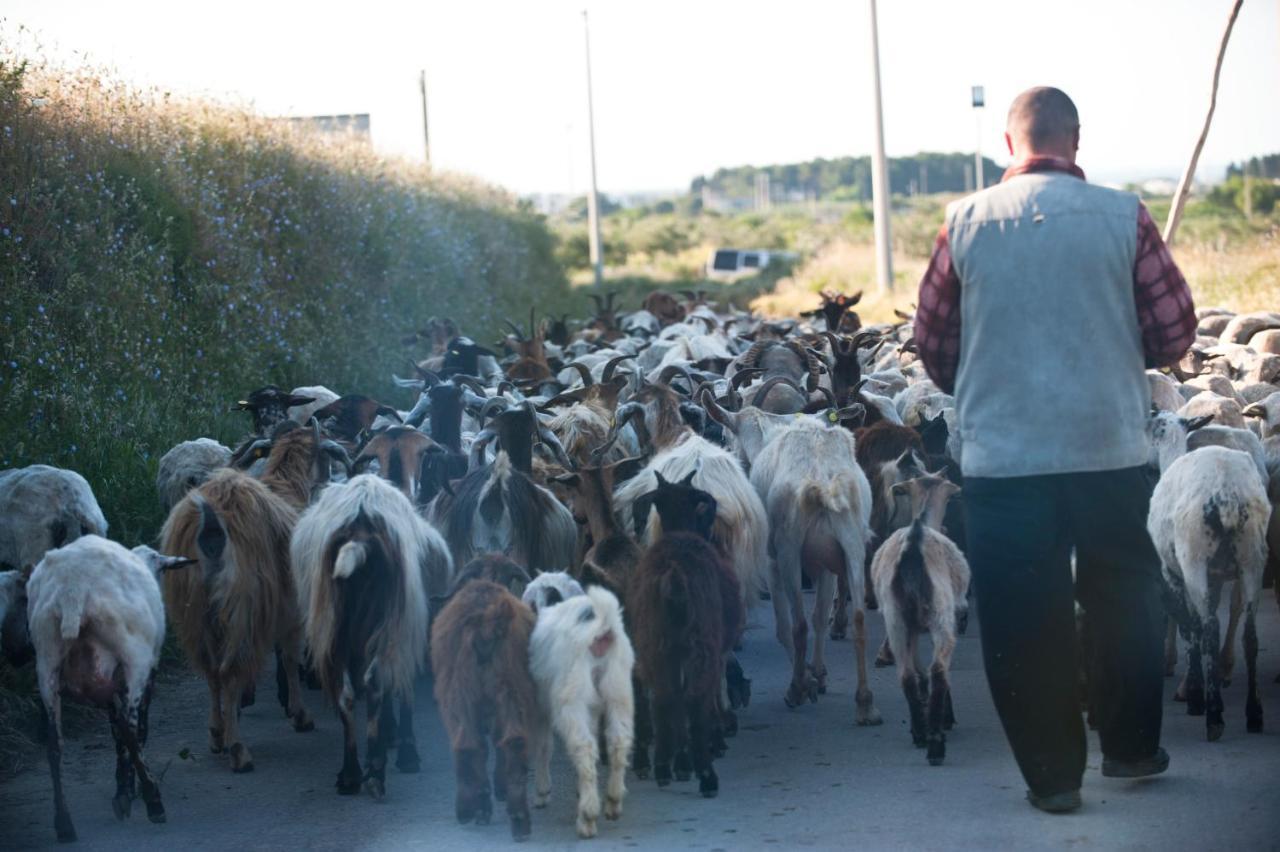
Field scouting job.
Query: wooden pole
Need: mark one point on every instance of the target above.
(880, 174)
(1184, 185)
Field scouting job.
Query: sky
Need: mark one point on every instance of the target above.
(683, 87)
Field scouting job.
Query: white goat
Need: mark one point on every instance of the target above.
(43, 507)
(321, 396)
(363, 560)
(581, 660)
(1208, 521)
(921, 579)
(819, 508)
(550, 588)
(97, 623)
(186, 466)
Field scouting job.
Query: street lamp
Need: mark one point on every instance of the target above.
(979, 101)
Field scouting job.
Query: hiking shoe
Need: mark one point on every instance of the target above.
(1056, 803)
(1147, 766)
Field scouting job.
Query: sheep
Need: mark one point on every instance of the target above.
(550, 588)
(43, 507)
(1208, 520)
(187, 465)
(97, 623)
(819, 505)
(361, 560)
(229, 614)
(921, 578)
(1267, 410)
(480, 656)
(1164, 391)
(688, 614)
(581, 660)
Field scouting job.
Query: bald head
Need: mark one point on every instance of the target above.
(1043, 121)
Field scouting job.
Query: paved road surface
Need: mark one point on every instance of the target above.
(806, 777)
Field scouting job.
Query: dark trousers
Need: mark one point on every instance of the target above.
(1021, 532)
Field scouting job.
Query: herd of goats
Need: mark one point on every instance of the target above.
(570, 533)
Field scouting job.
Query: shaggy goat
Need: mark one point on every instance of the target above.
(97, 624)
(43, 507)
(921, 578)
(1208, 521)
(688, 613)
(480, 655)
(550, 588)
(581, 660)
(819, 506)
(186, 466)
(229, 614)
(361, 561)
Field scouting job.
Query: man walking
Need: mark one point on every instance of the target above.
(1045, 300)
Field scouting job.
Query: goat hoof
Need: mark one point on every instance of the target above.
(612, 808)
(795, 696)
(640, 763)
(586, 828)
(377, 788)
(729, 723)
(122, 805)
(709, 785)
(662, 775)
(248, 696)
(937, 751)
(407, 760)
(867, 716)
(241, 760)
(520, 827)
(155, 812)
(1214, 731)
(348, 783)
(1253, 724)
(66, 831)
(884, 659)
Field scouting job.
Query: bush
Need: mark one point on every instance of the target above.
(160, 259)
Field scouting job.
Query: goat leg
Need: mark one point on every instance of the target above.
(217, 741)
(378, 724)
(1171, 649)
(407, 759)
(513, 757)
(287, 668)
(1227, 656)
(578, 730)
(618, 734)
(349, 775)
(840, 620)
(126, 723)
(644, 730)
(700, 710)
(1214, 724)
(865, 712)
(939, 699)
(122, 802)
(1194, 681)
(499, 772)
(470, 760)
(282, 681)
(53, 749)
(241, 759)
(541, 764)
(1253, 705)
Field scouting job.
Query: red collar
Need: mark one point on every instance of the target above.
(1042, 164)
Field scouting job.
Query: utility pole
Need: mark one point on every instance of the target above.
(880, 174)
(593, 199)
(426, 133)
(979, 101)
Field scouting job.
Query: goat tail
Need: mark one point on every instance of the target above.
(830, 496)
(912, 586)
(349, 559)
(71, 615)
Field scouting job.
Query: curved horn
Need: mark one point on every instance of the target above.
(477, 448)
(470, 381)
(718, 414)
(664, 378)
(595, 297)
(611, 365)
(810, 362)
(335, 451)
(752, 356)
(249, 452)
(587, 379)
(494, 402)
(739, 379)
(547, 437)
(515, 330)
(829, 401)
(768, 386)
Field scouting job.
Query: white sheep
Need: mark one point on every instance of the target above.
(97, 623)
(43, 507)
(921, 579)
(550, 588)
(1208, 521)
(581, 660)
(186, 466)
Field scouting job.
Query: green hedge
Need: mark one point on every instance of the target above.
(160, 259)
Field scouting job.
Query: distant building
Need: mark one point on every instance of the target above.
(1158, 187)
(349, 126)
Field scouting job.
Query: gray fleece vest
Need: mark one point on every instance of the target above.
(1051, 376)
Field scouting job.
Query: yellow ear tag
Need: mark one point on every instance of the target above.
(243, 402)
(833, 416)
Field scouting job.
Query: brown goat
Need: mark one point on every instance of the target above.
(687, 610)
(297, 462)
(229, 614)
(400, 452)
(348, 416)
(531, 353)
(480, 655)
(664, 306)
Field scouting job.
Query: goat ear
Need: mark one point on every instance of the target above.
(899, 488)
(688, 480)
(854, 299)
(627, 468)
(1195, 423)
(569, 480)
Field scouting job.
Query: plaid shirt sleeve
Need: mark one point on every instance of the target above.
(1166, 314)
(937, 320)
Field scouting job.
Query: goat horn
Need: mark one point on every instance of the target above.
(595, 297)
(515, 330)
(768, 386)
(810, 362)
(335, 451)
(470, 381)
(493, 402)
(477, 448)
(250, 452)
(611, 365)
(739, 379)
(557, 449)
(718, 414)
(664, 378)
(584, 371)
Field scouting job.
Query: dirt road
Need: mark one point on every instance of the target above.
(806, 777)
